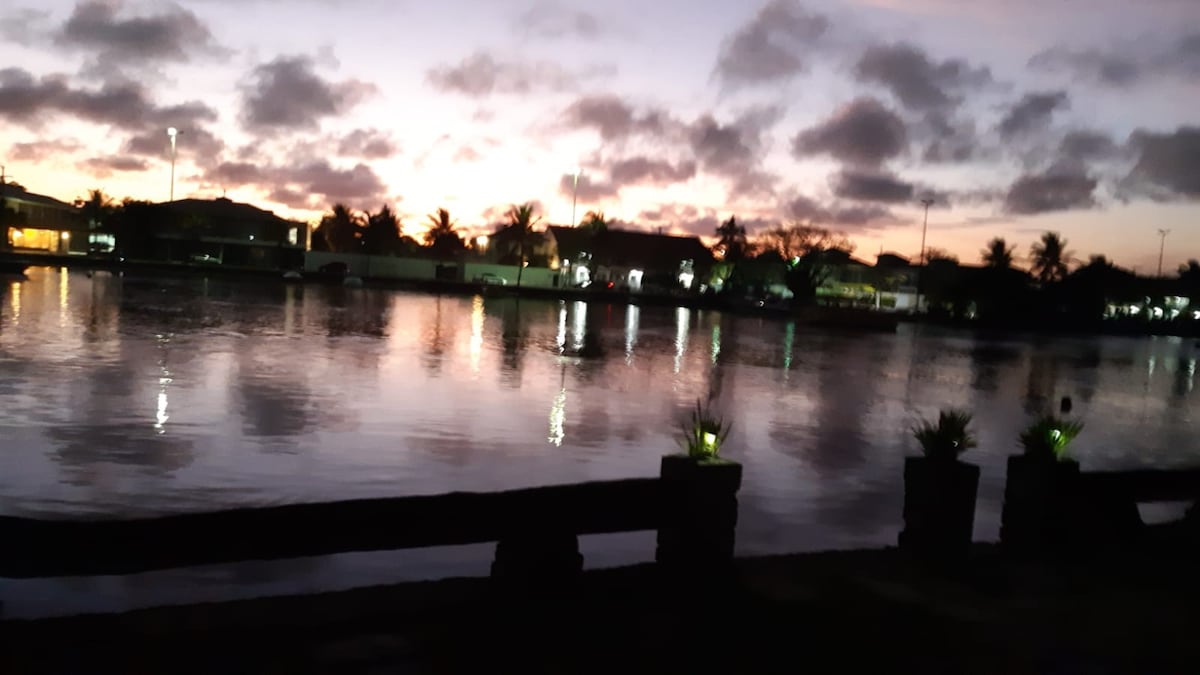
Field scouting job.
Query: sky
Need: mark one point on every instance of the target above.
(1077, 116)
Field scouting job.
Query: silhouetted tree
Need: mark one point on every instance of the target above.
(594, 222)
(731, 239)
(342, 229)
(382, 234)
(521, 219)
(998, 254)
(1049, 258)
(442, 236)
(96, 209)
(806, 251)
(9, 217)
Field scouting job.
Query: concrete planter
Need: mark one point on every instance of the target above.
(1040, 496)
(939, 507)
(699, 514)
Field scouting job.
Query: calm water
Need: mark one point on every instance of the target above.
(127, 396)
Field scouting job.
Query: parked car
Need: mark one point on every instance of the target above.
(206, 258)
(491, 279)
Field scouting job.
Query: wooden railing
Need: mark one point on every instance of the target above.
(693, 513)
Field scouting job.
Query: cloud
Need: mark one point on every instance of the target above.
(863, 132)
(367, 144)
(312, 185)
(36, 151)
(287, 93)
(916, 81)
(1168, 164)
(1058, 189)
(1084, 145)
(193, 142)
(481, 75)
(24, 26)
(614, 119)
(103, 167)
(552, 20)
(467, 154)
(118, 37)
(634, 170)
(772, 47)
(1126, 65)
(872, 187)
(1103, 67)
(1032, 112)
(734, 151)
(836, 216)
(947, 139)
(590, 188)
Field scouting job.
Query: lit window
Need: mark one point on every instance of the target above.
(294, 236)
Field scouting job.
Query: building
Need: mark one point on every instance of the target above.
(34, 223)
(629, 259)
(216, 231)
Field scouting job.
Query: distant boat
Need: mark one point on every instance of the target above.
(352, 282)
(292, 275)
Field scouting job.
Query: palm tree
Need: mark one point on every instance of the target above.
(732, 238)
(1049, 258)
(442, 237)
(521, 219)
(998, 254)
(382, 234)
(96, 209)
(342, 229)
(594, 222)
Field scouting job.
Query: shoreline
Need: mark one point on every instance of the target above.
(816, 316)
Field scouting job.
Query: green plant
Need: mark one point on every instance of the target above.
(704, 433)
(946, 439)
(1049, 436)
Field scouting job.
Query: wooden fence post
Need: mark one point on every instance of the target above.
(698, 514)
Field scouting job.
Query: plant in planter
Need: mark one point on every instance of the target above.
(704, 434)
(940, 490)
(1039, 491)
(699, 511)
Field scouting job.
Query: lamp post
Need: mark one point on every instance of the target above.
(574, 193)
(172, 133)
(921, 272)
(1162, 244)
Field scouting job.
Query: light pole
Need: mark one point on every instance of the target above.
(924, 228)
(172, 132)
(1162, 244)
(574, 194)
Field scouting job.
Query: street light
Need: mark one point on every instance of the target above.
(575, 193)
(1161, 245)
(172, 132)
(921, 272)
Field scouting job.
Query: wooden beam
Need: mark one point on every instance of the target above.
(45, 548)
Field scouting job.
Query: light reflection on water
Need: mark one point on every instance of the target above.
(141, 396)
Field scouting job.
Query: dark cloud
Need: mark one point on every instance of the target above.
(614, 119)
(35, 151)
(915, 80)
(1058, 189)
(734, 151)
(192, 142)
(552, 20)
(303, 185)
(635, 170)
(1032, 112)
(287, 93)
(947, 139)
(1168, 164)
(171, 34)
(1103, 67)
(838, 216)
(772, 47)
(589, 189)
(1083, 145)
(863, 132)
(1126, 65)
(872, 187)
(481, 75)
(103, 167)
(367, 144)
